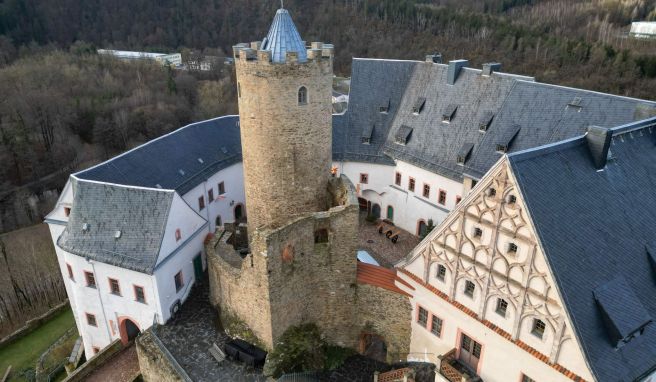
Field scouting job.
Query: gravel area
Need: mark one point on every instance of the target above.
(380, 247)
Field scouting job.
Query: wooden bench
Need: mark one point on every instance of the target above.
(217, 353)
(391, 232)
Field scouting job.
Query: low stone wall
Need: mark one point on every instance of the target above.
(388, 314)
(92, 364)
(155, 362)
(34, 323)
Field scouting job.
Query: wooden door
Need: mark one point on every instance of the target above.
(470, 352)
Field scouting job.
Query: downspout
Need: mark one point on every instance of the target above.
(102, 306)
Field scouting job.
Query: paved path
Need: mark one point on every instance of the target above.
(380, 247)
(123, 367)
(190, 335)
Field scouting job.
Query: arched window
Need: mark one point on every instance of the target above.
(302, 96)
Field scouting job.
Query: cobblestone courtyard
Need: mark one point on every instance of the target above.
(380, 247)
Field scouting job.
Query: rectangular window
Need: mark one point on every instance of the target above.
(178, 234)
(441, 272)
(364, 178)
(474, 183)
(397, 179)
(70, 272)
(178, 281)
(458, 199)
(114, 287)
(210, 195)
(512, 248)
(527, 379)
(67, 211)
(411, 184)
(90, 279)
(201, 203)
(442, 197)
(91, 319)
(96, 349)
(139, 294)
(502, 306)
(538, 328)
(469, 288)
(426, 191)
(436, 326)
(478, 232)
(422, 318)
(221, 188)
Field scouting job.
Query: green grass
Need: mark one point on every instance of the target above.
(24, 353)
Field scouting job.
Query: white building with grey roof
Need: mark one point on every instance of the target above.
(495, 289)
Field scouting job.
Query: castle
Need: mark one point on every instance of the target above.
(525, 182)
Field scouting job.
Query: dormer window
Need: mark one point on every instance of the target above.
(402, 135)
(506, 139)
(419, 105)
(485, 121)
(302, 96)
(449, 113)
(464, 152)
(576, 103)
(385, 107)
(367, 133)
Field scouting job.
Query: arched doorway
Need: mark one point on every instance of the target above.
(422, 228)
(373, 346)
(375, 211)
(128, 329)
(218, 221)
(239, 212)
(390, 213)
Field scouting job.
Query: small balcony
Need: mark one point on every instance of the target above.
(453, 370)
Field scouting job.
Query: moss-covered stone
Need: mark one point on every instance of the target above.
(236, 328)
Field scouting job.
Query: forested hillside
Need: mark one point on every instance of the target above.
(65, 108)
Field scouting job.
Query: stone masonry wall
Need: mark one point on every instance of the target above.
(154, 365)
(388, 314)
(289, 279)
(286, 146)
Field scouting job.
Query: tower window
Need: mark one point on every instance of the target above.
(302, 96)
(469, 288)
(321, 236)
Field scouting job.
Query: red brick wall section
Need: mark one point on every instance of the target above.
(494, 328)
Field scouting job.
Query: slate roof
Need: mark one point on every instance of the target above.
(177, 161)
(544, 113)
(139, 214)
(594, 227)
(283, 37)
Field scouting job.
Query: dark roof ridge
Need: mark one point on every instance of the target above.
(633, 126)
(536, 83)
(546, 149)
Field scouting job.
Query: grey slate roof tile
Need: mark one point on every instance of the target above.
(283, 37)
(171, 161)
(594, 227)
(140, 215)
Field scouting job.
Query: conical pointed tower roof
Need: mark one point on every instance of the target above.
(283, 37)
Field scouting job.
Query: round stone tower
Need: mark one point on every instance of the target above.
(285, 110)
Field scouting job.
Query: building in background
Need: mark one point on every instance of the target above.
(643, 29)
(172, 59)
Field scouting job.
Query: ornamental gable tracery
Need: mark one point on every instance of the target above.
(489, 241)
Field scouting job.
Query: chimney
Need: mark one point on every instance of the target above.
(434, 58)
(490, 68)
(454, 70)
(598, 139)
